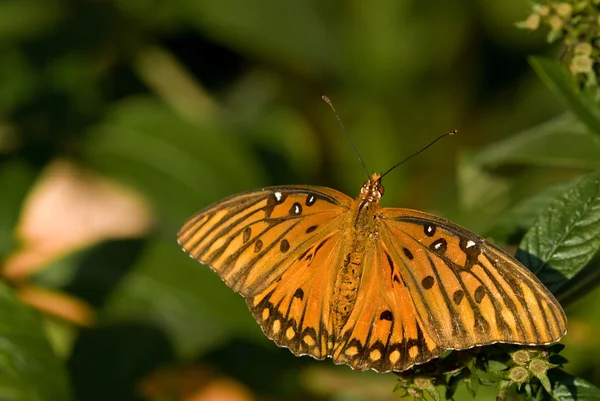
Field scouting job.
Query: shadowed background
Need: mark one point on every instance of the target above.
(120, 119)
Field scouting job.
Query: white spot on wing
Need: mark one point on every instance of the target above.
(296, 209)
(277, 196)
(470, 244)
(311, 199)
(438, 245)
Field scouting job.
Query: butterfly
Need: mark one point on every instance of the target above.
(374, 288)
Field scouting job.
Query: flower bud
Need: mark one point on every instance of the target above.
(520, 357)
(532, 22)
(581, 64)
(583, 48)
(518, 374)
(563, 9)
(538, 367)
(544, 11)
(422, 382)
(555, 23)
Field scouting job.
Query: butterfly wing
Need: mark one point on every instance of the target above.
(467, 291)
(295, 310)
(276, 247)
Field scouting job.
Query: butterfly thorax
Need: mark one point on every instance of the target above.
(361, 233)
(372, 190)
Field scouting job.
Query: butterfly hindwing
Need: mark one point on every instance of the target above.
(248, 238)
(294, 310)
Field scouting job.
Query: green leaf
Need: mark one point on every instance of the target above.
(19, 177)
(29, 368)
(496, 366)
(569, 388)
(241, 24)
(23, 19)
(284, 132)
(517, 220)
(566, 236)
(179, 165)
(560, 81)
(560, 142)
(180, 300)
(17, 79)
(502, 172)
(481, 192)
(585, 281)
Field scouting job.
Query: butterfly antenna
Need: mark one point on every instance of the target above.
(452, 132)
(326, 99)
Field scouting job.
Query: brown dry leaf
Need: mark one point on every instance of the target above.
(192, 383)
(68, 209)
(58, 304)
(222, 389)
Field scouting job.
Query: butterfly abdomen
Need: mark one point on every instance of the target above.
(346, 287)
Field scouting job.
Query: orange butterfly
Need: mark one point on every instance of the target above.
(371, 287)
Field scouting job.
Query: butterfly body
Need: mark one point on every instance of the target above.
(375, 288)
(360, 236)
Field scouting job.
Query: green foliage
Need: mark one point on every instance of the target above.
(559, 226)
(584, 104)
(566, 235)
(184, 102)
(512, 370)
(30, 370)
(19, 177)
(576, 23)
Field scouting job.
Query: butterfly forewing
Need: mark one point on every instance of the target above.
(248, 238)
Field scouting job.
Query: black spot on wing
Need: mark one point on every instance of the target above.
(428, 282)
(273, 200)
(246, 234)
(479, 294)
(458, 296)
(386, 315)
(439, 246)
(299, 294)
(471, 250)
(311, 229)
(429, 229)
(296, 209)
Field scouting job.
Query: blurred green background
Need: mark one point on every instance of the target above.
(119, 119)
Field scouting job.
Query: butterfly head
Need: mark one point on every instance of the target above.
(372, 190)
